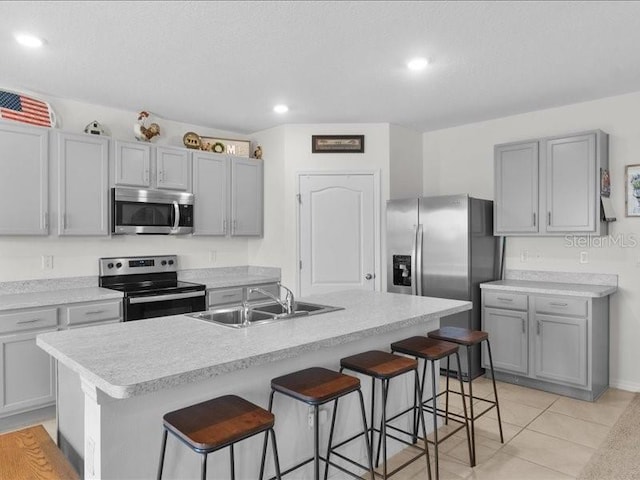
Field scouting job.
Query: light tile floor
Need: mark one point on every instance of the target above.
(546, 436)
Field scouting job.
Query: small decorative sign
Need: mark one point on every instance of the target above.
(337, 144)
(632, 190)
(228, 146)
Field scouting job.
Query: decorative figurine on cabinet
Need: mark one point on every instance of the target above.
(142, 132)
(257, 153)
(94, 128)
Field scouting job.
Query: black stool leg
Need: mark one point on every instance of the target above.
(385, 387)
(316, 443)
(264, 446)
(495, 391)
(446, 395)
(383, 430)
(435, 417)
(373, 409)
(232, 463)
(276, 460)
(472, 460)
(162, 450)
(422, 422)
(472, 417)
(203, 469)
(333, 424)
(368, 445)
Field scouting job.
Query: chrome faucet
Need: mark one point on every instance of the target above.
(287, 304)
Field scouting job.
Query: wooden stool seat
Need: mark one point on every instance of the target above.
(425, 347)
(216, 423)
(315, 385)
(30, 453)
(461, 336)
(379, 364)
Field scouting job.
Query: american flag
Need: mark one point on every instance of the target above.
(24, 109)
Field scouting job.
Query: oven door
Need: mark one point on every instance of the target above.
(137, 308)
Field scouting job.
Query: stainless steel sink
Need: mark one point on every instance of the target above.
(260, 314)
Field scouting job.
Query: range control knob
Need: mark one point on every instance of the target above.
(118, 265)
(164, 262)
(110, 265)
(170, 262)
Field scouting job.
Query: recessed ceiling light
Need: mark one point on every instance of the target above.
(281, 109)
(418, 64)
(28, 40)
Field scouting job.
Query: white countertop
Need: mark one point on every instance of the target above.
(134, 358)
(13, 301)
(551, 288)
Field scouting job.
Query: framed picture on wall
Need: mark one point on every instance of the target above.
(337, 144)
(632, 190)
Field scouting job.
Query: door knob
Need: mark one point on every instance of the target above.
(369, 276)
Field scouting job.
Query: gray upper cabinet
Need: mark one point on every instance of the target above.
(247, 179)
(24, 183)
(83, 185)
(516, 188)
(172, 168)
(132, 164)
(550, 186)
(571, 184)
(211, 193)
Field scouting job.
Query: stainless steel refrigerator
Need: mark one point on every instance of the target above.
(443, 247)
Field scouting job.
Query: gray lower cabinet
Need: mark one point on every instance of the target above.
(83, 185)
(554, 343)
(24, 180)
(550, 186)
(235, 296)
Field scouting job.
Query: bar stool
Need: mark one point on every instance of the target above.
(216, 424)
(469, 338)
(431, 350)
(316, 386)
(382, 366)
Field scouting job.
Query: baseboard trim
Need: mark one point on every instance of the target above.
(624, 385)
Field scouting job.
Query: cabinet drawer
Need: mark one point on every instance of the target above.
(512, 301)
(28, 320)
(94, 312)
(272, 288)
(561, 306)
(224, 296)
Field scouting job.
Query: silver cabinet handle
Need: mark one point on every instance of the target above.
(557, 304)
(548, 218)
(22, 322)
(235, 226)
(45, 220)
(146, 175)
(227, 295)
(64, 221)
(534, 219)
(523, 326)
(95, 312)
(503, 299)
(538, 327)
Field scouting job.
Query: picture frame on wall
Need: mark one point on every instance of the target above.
(337, 144)
(632, 190)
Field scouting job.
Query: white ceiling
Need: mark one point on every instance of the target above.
(225, 64)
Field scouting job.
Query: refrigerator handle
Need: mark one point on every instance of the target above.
(414, 253)
(418, 270)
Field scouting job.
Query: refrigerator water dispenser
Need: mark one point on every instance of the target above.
(402, 270)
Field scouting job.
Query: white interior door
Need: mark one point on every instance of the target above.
(337, 232)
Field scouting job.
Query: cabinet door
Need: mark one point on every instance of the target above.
(210, 193)
(172, 168)
(561, 349)
(571, 184)
(83, 174)
(246, 196)
(516, 188)
(26, 373)
(24, 181)
(509, 340)
(133, 164)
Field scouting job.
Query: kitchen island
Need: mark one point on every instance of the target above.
(115, 382)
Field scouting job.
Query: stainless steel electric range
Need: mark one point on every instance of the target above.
(151, 287)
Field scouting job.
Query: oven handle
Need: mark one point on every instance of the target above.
(162, 298)
(176, 209)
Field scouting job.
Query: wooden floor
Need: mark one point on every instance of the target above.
(30, 454)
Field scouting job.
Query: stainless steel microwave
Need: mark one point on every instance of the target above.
(136, 211)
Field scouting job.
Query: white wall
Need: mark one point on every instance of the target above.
(20, 257)
(282, 164)
(460, 159)
(405, 158)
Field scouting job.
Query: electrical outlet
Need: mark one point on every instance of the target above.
(212, 256)
(584, 257)
(47, 262)
(524, 256)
